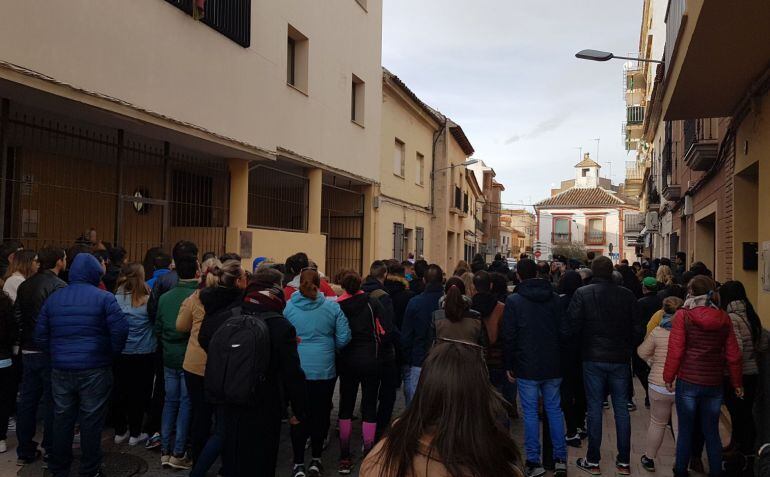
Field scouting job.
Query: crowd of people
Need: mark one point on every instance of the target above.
(204, 360)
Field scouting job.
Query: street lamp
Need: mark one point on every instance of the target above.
(598, 55)
(467, 163)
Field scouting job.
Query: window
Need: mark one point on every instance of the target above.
(398, 242)
(420, 170)
(191, 199)
(358, 87)
(458, 198)
(399, 158)
(419, 242)
(277, 199)
(231, 18)
(585, 172)
(297, 51)
(465, 202)
(561, 230)
(595, 231)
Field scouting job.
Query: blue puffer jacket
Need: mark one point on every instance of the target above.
(81, 326)
(322, 328)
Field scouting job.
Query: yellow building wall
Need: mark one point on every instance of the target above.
(153, 56)
(752, 198)
(277, 245)
(388, 214)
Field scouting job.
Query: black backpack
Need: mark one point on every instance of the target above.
(238, 359)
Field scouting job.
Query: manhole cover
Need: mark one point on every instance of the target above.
(116, 464)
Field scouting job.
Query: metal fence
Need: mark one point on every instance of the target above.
(342, 221)
(231, 18)
(62, 177)
(277, 199)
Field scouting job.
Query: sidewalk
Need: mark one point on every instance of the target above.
(125, 461)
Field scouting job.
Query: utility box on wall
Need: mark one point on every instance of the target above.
(750, 256)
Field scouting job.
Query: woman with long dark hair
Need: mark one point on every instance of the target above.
(455, 319)
(134, 367)
(8, 371)
(434, 437)
(748, 330)
(359, 364)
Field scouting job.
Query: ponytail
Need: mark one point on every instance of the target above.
(454, 301)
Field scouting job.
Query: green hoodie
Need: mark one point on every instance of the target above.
(174, 342)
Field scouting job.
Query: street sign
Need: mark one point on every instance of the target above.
(537, 254)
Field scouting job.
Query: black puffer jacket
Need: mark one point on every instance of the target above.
(30, 297)
(368, 347)
(218, 302)
(7, 326)
(400, 294)
(649, 304)
(606, 318)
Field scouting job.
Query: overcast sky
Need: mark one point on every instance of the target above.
(506, 72)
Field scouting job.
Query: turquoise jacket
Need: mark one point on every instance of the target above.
(322, 328)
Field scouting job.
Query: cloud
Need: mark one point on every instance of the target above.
(545, 126)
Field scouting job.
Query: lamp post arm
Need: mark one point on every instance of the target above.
(643, 60)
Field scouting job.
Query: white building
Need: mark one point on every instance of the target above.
(588, 210)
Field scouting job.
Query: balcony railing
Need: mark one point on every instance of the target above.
(634, 170)
(674, 17)
(595, 238)
(700, 143)
(635, 115)
(634, 223)
(231, 18)
(560, 238)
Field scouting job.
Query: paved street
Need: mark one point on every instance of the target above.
(149, 465)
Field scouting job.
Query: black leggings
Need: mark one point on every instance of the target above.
(349, 383)
(8, 388)
(744, 427)
(316, 423)
(202, 414)
(133, 391)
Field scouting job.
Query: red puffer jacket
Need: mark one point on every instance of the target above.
(702, 343)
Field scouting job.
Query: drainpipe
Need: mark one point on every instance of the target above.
(436, 137)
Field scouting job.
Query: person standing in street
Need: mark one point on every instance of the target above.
(8, 373)
(701, 346)
(134, 367)
(25, 264)
(534, 332)
(83, 329)
(416, 336)
(36, 366)
(176, 407)
(607, 318)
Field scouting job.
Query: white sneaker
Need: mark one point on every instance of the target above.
(11, 424)
(138, 439)
(121, 439)
(3, 447)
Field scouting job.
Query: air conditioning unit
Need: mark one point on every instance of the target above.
(688, 205)
(652, 221)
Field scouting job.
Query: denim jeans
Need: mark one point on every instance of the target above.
(35, 385)
(212, 448)
(410, 383)
(694, 401)
(529, 393)
(82, 396)
(506, 388)
(176, 412)
(599, 379)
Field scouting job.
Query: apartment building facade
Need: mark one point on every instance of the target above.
(709, 103)
(236, 130)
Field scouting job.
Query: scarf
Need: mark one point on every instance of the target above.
(696, 301)
(264, 297)
(347, 295)
(667, 321)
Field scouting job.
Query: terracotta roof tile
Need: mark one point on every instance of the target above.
(580, 197)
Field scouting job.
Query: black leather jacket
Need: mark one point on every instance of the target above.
(30, 297)
(606, 318)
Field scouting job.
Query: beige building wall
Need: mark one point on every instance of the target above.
(404, 195)
(153, 56)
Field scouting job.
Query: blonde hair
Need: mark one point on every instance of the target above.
(467, 279)
(212, 279)
(672, 303)
(131, 282)
(664, 275)
(228, 273)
